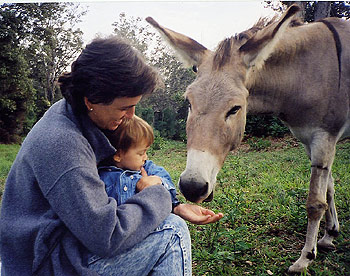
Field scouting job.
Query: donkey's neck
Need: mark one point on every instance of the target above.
(266, 92)
(274, 88)
(293, 87)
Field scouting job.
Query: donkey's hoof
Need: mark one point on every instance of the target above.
(325, 246)
(297, 268)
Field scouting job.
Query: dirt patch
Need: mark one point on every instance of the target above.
(267, 143)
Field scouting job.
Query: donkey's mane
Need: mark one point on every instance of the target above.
(225, 48)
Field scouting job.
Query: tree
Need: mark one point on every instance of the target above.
(322, 10)
(53, 42)
(318, 10)
(135, 31)
(37, 42)
(50, 38)
(16, 88)
(167, 103)
(315, 10)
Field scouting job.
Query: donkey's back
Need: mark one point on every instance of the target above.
(306, 80)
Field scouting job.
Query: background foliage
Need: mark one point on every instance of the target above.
(263, 199)
(38, 41)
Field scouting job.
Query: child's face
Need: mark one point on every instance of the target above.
(134, 158)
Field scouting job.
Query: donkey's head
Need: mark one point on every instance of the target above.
(218, 97)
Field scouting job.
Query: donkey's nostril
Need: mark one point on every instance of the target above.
(210, 197)
(192, 189)
(204, 190)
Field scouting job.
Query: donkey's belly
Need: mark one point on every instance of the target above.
(345, 133)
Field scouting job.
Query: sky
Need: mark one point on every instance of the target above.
(207, 22)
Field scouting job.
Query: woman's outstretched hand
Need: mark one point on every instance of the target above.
(196, 214)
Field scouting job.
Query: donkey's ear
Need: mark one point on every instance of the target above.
(190, 51)
(259, 48)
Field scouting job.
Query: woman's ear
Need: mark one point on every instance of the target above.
(88, 104)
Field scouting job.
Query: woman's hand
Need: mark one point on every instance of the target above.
(196, 214)
(147, 181)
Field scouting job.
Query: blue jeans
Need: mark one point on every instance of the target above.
(166, 251)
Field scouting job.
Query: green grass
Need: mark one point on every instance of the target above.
(262, 193)
(261, 189)
(7, 155)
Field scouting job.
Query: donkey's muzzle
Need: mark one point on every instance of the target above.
(210, 197)
(193, 190)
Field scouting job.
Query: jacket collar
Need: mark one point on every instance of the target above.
(116, 169)
(96, 138)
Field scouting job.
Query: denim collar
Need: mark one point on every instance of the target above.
(116, 169)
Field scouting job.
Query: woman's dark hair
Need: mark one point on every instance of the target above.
(107, 68)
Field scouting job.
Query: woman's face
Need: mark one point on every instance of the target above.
(109, 116)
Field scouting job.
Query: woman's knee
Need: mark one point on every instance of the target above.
(177, 255)
(176, 223)
(169, 244)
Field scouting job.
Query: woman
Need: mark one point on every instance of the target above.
(55, 211)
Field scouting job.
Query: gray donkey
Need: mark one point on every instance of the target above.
(298, 72)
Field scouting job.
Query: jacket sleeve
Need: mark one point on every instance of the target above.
(152, 169)
(96, 220)
(77, 195)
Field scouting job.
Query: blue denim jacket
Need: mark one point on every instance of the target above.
(121, 184)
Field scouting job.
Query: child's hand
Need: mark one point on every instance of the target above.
(147, 181)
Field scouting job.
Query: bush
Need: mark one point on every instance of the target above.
(158, 143)
(258, 144)
(146, 113)
(265, 125)
(171, 124)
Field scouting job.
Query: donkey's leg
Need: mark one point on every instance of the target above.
(332, 224)
(322, 154)
(316, 206)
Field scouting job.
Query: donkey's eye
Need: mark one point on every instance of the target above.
(195, 68)
(233, 111)
(187, 102)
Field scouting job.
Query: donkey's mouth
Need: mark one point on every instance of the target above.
(210, 197)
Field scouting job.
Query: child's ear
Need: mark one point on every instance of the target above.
(117, 158)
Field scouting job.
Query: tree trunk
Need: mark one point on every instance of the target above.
(322, 9)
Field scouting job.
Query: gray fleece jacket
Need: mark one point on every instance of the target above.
(55, 204)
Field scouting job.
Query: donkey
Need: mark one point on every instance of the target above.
(298, 72)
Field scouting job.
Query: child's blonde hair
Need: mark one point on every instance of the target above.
(132, 132)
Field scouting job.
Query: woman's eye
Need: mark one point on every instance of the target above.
(233, 111)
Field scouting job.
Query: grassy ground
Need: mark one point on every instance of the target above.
(262, 190)
(7, 155)
(262, 193)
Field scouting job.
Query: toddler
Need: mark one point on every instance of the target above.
(122, 171)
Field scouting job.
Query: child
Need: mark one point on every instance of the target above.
(121, 172)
